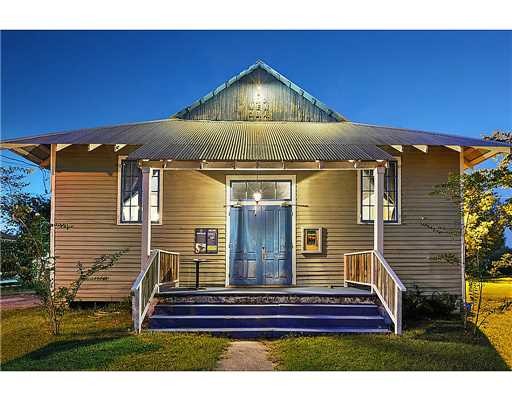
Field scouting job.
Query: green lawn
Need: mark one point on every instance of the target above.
(498, 328)
(100, 340)
(498, 288)
(439, 345)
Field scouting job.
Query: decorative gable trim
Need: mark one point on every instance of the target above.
(260, 64)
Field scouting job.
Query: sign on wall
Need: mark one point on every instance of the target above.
(311, 240)
(206, 241)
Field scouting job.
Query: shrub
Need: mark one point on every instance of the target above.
(503, 266)
(418, 306)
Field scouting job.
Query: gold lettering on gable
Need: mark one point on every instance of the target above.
(259, 109)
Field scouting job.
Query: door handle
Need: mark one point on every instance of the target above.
(263, 253)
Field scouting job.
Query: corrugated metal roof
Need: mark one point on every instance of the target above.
(242, 140)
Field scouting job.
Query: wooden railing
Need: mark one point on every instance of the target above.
(169, 267)
(370, 268)
(162, 267)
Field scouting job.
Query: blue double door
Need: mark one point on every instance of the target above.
(260, 245)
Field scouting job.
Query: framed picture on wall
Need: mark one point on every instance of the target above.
(312, 239)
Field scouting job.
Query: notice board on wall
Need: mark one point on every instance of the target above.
(206, 241)
(312, 239)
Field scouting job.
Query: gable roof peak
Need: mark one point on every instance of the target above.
(260, 64)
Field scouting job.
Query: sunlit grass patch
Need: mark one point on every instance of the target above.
(100, 340)
(440, 346)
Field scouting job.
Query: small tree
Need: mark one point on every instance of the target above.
(484, 216)
(21, 210)
(18, 256)
(57, 301)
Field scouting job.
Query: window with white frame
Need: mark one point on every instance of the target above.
(367, 195)
(130, 192)
(268, 189)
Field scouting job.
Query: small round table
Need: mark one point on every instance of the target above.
(198, 261)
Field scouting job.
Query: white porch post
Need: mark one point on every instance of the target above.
(145, 248)
(378, 227)
(53, 166)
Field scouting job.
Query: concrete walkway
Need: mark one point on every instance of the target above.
(18, 301)
(245, 356)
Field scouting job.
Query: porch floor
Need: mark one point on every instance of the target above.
(262, 291)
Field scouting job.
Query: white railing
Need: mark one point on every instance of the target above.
(371, 268)
(161, 267)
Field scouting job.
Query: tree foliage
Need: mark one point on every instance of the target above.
(485, 216)
(18, 256)
(29, 217)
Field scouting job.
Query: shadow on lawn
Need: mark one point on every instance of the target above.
(83, 354)
(452, 332)
(426, 346)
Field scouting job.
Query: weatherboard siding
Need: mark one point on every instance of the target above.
(86, 198)
(258, 96)
(330, 200)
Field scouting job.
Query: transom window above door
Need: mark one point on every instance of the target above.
(269, 189)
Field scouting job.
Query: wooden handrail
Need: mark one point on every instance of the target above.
(358, 252)
(358, 267)
(169, 267)
(142, 274)
(371, 268)
(161, 267)
(390, 271)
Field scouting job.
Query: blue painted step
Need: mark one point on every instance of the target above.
(267, 309)
(266, 321)
(248, 333)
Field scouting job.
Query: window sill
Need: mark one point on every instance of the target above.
(136, 223)
(372, 222)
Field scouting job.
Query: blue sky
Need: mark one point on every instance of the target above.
(448, 81)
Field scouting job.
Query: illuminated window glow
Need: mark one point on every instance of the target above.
(131, 189)
(368, 196)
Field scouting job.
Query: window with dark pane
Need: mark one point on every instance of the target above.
(131, 193)
(155, 196)
(367, 212)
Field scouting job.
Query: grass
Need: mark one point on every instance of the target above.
(497, 289)
(100, 340)
(498, 327)
(429, 346)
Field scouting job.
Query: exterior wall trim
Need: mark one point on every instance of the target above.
(292, 178)
(462, 235)
(53, 167)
